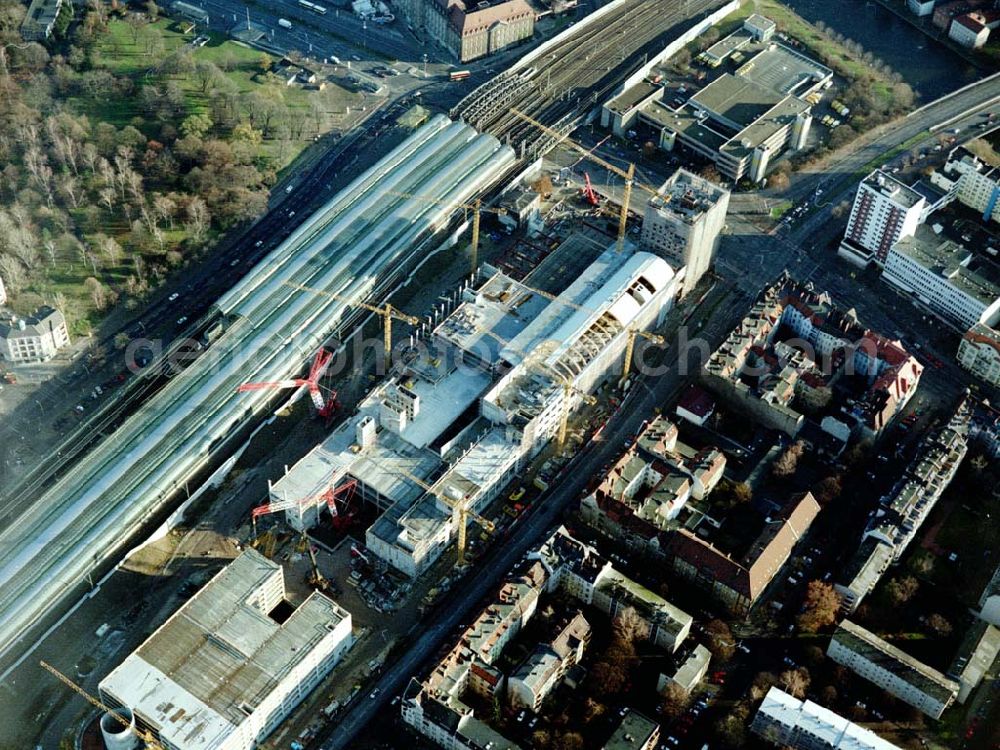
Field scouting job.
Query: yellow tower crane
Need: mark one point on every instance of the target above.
(628, 175)
(461, 508)
(387, 311)
(632, 333)
(476, 207)
(145, 737)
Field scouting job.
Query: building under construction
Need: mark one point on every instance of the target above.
(227, 667)
(480, 392)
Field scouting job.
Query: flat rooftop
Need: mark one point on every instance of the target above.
(689, 196)
(954, 263)
(685, 122)
(635, 730)
(736, 99)
(887, 185)
(728, 45)
(783, 70)
(779, 116)
(500, 309)
(637, 94)
(219, 655)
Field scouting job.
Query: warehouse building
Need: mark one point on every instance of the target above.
(232, 663)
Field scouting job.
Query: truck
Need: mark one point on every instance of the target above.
(284, 23)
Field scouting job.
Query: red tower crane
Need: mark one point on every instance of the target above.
(341, 516)
(324, 408)
(589, 194)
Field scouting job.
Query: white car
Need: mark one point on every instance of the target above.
(173, 297)
(182, 320)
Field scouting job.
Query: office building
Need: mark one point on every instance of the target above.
(684, 224)
(947, 278)
(36, 338)
(896, 672)
(470, 30)
(884, 212)
(786, 721)
(232, 663)
(979, 353)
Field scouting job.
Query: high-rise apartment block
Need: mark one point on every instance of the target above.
(884, 212)
(684, 223)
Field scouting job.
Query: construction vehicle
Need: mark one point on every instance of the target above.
(589, 194)
(628, 175)
(630, 348)
(476, 207)
(459, 506)
(325, 408)
(387, 311)
(144, 737)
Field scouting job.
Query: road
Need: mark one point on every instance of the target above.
(753, 259)
(625, 423)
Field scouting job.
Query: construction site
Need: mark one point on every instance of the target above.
(494, 383)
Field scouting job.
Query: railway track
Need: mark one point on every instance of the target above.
(571, 78)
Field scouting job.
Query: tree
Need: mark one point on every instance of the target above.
(121, 340)
(675, 701)
(197, 219)
(814, 400)
(901, 589)
(795, 681)
(568, 741)
(786, 464)
(98, 295)
(778, 181)
(731, 731)
(814, 656)
(543, 185)
(720, 640)
(828, 695)
(828, 489)
(265, 62)
(196, 125)
(939, 625)
(821, 606)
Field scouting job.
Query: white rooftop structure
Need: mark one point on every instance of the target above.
(785, 720)
(223, 671)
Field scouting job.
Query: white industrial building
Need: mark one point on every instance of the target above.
(884, 212)
(946, 277)
(231, 664)
(684, 224)
(450, 419)
(803, 725)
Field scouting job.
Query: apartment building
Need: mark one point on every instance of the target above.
(979, 353)
(684, 224)
(972, 182)
(36, 338)
(949, 279)
(975, 658)
(906, 506)
(896, 672)
(787, 721)
(546, 666)
(884, 212)
(738, 583)
(634, 732)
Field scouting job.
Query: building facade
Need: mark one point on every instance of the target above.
(945, 277)
(786, 721)
(894, 671)
(36, 338)
(684, 224)
(884, 212)
(979, 353)
(470, 31)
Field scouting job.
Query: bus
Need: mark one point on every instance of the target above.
(459, 75)
(313, 7)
